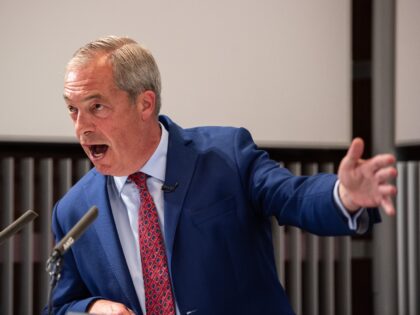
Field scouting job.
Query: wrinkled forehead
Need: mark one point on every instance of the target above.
(82, 81)
(99, 65)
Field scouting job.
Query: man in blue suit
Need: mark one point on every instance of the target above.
(213, 190)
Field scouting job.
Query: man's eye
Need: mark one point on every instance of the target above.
(98, 107)
(72, 109)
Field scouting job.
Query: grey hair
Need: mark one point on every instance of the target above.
(134, 68)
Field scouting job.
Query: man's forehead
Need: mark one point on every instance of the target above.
(89, 60)
(89, 82)
(74, 74)
(88, 68)
(71, 75)
(82, 87)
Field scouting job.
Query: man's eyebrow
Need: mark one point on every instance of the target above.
(87, 98)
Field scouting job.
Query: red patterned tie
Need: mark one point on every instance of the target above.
(157, 285)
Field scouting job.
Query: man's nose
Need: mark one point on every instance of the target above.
(83, 124)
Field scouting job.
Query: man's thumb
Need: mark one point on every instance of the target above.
(355, 151)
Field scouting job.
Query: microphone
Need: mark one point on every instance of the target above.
(55, 262)
(169, 188)
(19, 223)
(75, 232)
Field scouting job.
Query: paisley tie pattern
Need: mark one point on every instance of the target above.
(157, 284)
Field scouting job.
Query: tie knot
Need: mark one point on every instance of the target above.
(139, 179)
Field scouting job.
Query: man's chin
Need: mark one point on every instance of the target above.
(113, 171)
(101, 166)
(109, 169)
(104, 170)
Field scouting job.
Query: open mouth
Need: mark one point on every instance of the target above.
(98, 150)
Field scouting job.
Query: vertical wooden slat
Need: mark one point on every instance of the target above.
(294, 286)
(64, 176)
(311, 285)
(7, 249)
(327, 279)
(344, 276)
(82, 167)
(401, 218)
(26, 175)
(46, 204)
(327, 290)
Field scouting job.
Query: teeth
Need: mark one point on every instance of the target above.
(97, 155)
(98, 150)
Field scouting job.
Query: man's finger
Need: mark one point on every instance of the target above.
(388, 206)
(355, 151)
(383, 175)
(388, 190)
(380, 161)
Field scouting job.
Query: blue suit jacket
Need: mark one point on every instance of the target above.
(217, 224)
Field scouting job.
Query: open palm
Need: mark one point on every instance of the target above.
(366, 183)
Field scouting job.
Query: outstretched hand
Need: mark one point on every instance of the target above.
(366, 183)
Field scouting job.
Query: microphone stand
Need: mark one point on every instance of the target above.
(55, 261)
(54, 267)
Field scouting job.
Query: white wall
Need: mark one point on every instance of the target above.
(407, 96)
(279, 68)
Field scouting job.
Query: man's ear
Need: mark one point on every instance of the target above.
(146, 103)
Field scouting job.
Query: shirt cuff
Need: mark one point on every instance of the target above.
(352, 219)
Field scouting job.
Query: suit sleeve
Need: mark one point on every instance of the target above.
(306, 202)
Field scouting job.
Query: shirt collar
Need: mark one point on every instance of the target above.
(155, 166)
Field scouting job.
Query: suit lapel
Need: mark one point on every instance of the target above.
(108, 238)
(180, 165)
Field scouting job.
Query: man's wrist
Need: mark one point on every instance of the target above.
(352, 217)
(346, 199)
